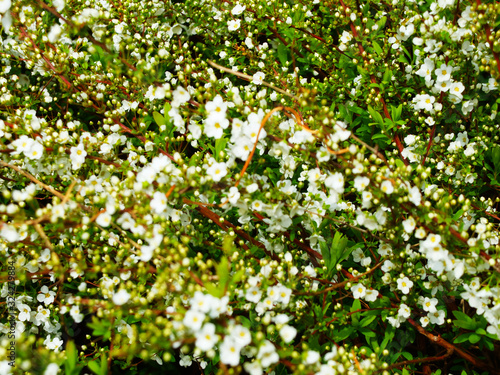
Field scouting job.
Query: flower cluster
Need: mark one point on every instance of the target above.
(250, 186)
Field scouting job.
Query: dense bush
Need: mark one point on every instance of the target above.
(255, 186)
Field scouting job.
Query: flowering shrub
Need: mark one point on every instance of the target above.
(249, 187)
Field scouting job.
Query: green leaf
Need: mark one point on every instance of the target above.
(473, 339)
(220, 145)
(388, 336)
(381, 23)
(283, 54)
(159, 119)
(462, 338)
(94, 367)
(396, 112)
(100, 328)
(337, 253)
(325, 252)
(407, 355)
(387, 75)
(343, 334)
(481, 331)
(376, 116)
(377, 48)
(71, 358)
(366, 321)
(464, 321)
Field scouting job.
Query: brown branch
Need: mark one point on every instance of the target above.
(448, 346)
(342, 284)
(418, 360)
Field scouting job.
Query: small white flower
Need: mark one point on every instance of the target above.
(387, 187)
(238, 9)
(217, 171)
(206, 337)
(361, 182)
(409, 224)
(194, 320)
(429, 304)
(358, 291)
(121, 297)
(229, 352)
(241, 336)
(312, 357)
(233, 25)
(104, 219)
(404, 285)
(288, 333)
(258, 78)
(52, 369)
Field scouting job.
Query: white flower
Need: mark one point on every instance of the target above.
(121, 297)
(194, 319)
(443, 73)
(409, 224)
(233, 25)
(371, 295)
(180, 96)
(361, 182)
(429, 304)
(5, 6)
(241, 336)
(54, 33)
(104, 219)
(159, 202)
(229, 352)
(335, 182)
(217, 171)
(25, 311)
(288, 333)
(437, 317)
(253, 294)
(46, 296)
(258, 78)
(54, 344)
(456, 88)
(9, 233)
(267, 354)
(238, 9)
(358, 291)
(35, 151)
(415, 196)
(233, 195)
(404, 311)
(52, 369)
(424, 101)
(312, 357)
(215, 125)
(206, 337)
(77, 156)
(404, 285)
(387, 187)
(185, 361)
(59, 4)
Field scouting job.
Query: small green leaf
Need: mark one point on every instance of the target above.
(94, 367)
(473, 339)
(71, 358)
(375, 115)
(343, 334)
(462, 338)
(283, 54)
(366, 321)
(159, 119)
(377, 48)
